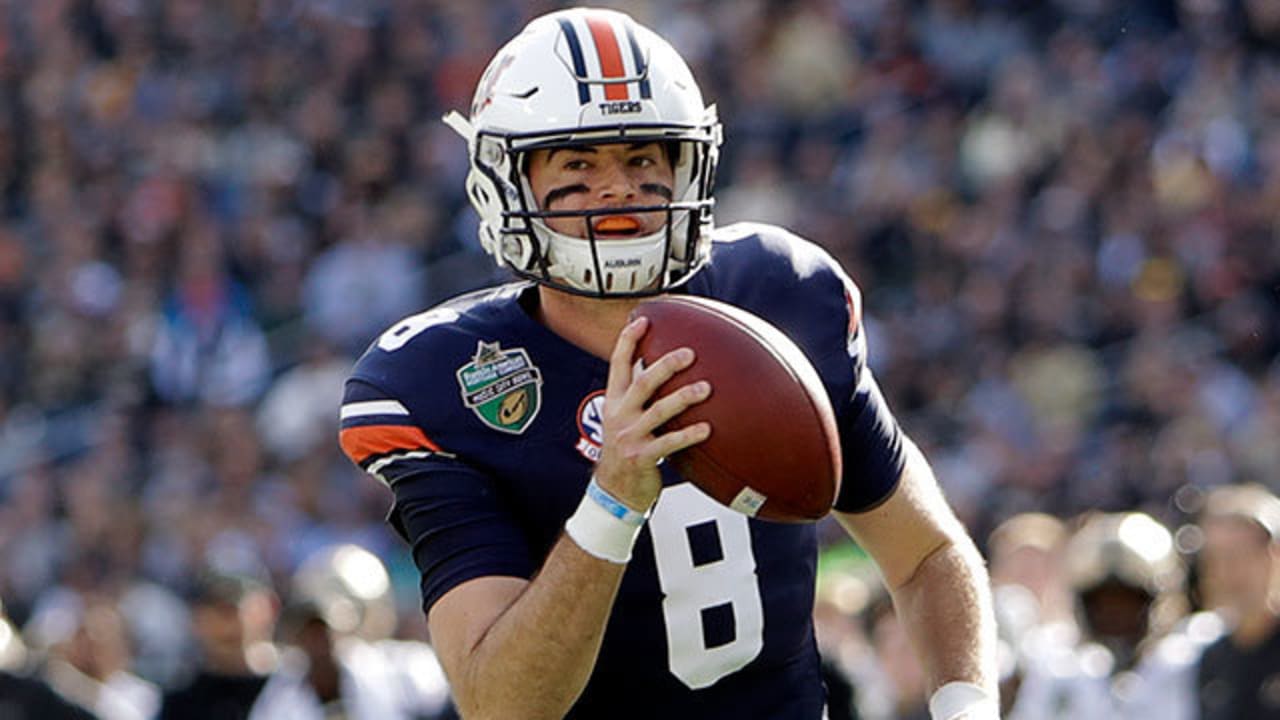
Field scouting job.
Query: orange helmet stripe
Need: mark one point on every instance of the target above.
(610, 57)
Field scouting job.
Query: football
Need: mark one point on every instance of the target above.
(774, 452)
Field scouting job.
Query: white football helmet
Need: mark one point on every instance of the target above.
(1132, 548)
(350, 589)
(587, 77)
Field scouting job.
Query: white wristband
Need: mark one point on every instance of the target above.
(600, 529)
(963, 701)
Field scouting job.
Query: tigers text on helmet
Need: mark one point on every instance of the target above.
(589, 77)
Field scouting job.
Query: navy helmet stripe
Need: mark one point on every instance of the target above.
(638, 57)
(579, 64)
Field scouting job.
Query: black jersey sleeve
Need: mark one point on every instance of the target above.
(449, 512)
(458, 526)
(872, 443)
(871, 440)
(802, 289)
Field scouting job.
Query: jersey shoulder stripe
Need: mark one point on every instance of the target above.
(363, 442)
(368, 408)
(374, 432)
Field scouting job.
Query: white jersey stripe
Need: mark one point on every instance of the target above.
(373, 407)
(376, 468)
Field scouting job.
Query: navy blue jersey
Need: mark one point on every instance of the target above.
(485, 425)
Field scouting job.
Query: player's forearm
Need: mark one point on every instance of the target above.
(535, 659)
(946, 609)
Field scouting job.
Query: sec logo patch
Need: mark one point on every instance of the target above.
(591, 426)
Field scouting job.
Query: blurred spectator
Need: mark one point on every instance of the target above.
(368, 277)
(1128, 581)
(1036, 618)
(295, 417)
(232, 620)
(1134, 656)
(341, 659)
(158, 619)
(86, 656)
(1239, 560)
(1028, 550)
(13, 652)
(208, 346)
(23, 697)
(893, 686)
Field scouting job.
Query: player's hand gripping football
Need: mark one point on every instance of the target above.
(633, 443)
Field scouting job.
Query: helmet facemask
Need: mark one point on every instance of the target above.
(616, 265)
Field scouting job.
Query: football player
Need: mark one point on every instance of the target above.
(566, 572)
(1135, 660)
(1239, 673)
(341, 660)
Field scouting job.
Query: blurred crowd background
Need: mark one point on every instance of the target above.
(1064, 216)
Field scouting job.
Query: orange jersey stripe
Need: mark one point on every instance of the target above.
(610, 57)
(363, 442)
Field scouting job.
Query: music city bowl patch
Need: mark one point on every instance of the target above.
(502, 387)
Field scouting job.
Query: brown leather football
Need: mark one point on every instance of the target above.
(774, 452)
